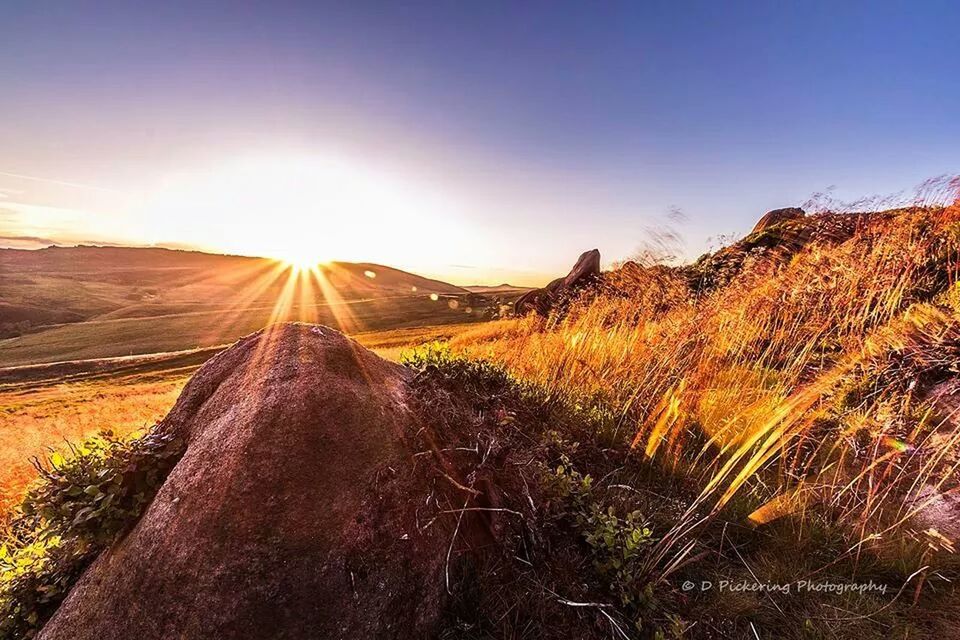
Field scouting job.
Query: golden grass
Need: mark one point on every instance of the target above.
(34, 421)
(813, 371)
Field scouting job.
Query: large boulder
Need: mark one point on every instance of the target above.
(778, 216)
(545, 300)
(289, 514)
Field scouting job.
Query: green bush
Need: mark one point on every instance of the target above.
(468, 376)
(617, 543)
(82, 502)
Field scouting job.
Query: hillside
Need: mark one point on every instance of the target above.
(59, 304)
(69, 284)
(801, 382)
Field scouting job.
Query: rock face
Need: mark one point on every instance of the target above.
(543, 301)
(778, 216)
(279, 520)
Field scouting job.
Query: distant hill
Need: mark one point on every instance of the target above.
(64, 303)
(497, 289)
(69, 284)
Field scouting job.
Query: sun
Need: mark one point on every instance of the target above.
(297, 250)
(302, 264)
(300, 260)
(303, 210)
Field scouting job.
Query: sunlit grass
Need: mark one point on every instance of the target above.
(37, 420)
(807, 380)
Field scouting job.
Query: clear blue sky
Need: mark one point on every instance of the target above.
(549, 127)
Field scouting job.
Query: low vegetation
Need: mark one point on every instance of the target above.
(804, 385)
(41, 418)
(80, 504)
(598, 538)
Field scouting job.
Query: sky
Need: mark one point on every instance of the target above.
(479, 142)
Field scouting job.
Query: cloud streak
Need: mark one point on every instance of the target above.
(30, 240)
(62, 183)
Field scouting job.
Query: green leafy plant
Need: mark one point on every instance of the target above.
(466, 375)
(81, 503)
(617, 543)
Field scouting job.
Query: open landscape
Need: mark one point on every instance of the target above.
(791, 395)
(100, 337)
(59, 303)
(479, 321)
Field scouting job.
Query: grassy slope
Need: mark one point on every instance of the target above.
(797, 375)
(175, 332)
(37, 418)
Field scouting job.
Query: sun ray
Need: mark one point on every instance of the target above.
(174, 287)
(339, 309)
(307, 311)
(285, 300)
(239, 309)
(263, 354)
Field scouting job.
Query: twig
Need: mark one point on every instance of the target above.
(757, 580)
(613, 623)
(526, 488)
(516, 513)
(446, 567)
(571, 603)
(601, 606)
(469, 490)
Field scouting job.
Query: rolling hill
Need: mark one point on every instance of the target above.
(71, 303)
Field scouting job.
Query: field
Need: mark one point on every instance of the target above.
(166, 332)
(65, 304)
(39, 418)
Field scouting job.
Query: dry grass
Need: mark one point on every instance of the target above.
(35, 420)
(809, 380)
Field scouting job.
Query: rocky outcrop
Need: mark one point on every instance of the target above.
(777, 237)
(545, 300)
(288, 515)
(778, 216)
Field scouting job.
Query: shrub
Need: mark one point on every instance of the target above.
(82, 502)
(618, 544)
